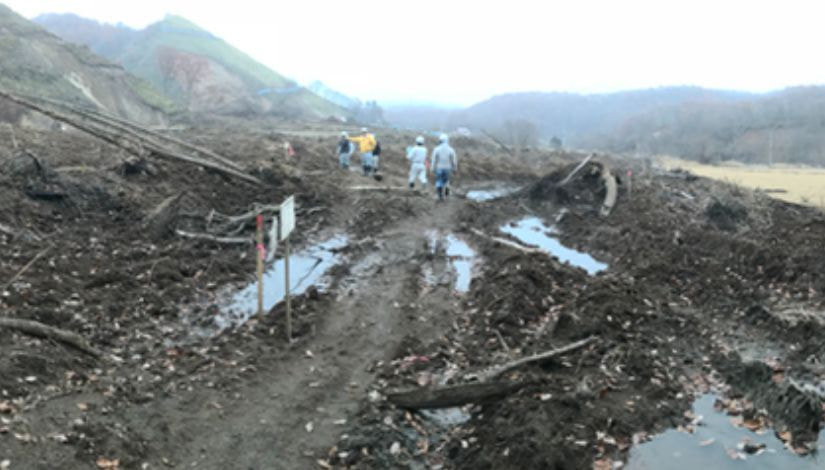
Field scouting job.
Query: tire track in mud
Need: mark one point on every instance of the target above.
(290, 413)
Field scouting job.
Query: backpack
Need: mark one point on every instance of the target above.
(344, 147)
(377, 149)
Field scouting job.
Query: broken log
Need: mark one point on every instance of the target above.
(505, 242)
(484, 389)
(42, 330)
(453, 395)
(576, 170)
(612, 191)
(213, 238)
(116, 139)
(159, 221)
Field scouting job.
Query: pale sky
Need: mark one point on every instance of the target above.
(461, 52)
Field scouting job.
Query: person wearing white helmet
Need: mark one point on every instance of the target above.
(443, 163)
(345, 149)
(418, 162)
(366, 144)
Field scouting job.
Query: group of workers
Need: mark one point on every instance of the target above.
(443, 161)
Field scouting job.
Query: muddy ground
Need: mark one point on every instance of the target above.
(709, 287)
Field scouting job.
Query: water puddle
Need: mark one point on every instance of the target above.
(716, 443)
(306, 268)
(446, 417)
(532, 231)
(461, 256)
(489, 194)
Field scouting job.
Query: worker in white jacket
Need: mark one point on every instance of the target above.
(444, 163)
(418, 162)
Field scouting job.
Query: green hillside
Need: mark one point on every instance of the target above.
(37, 63)
(140, 56)
(194, 67)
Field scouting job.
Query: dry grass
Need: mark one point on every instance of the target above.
(804, 185)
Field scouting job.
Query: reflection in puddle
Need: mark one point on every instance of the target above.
(462, 260)
(718, 444)
(306, 268)
(482, 195)
(531, 231)
(446, 417)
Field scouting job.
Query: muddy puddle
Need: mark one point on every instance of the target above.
(461, 257)
(717, 443)
(491, 193)
(306, 268)
(532, 231)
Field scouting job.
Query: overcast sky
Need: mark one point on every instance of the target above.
(461, 52)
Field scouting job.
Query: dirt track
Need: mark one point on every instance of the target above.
(704, 281)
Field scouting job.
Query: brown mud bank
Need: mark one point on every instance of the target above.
(709, 288)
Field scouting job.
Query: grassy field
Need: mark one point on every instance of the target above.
(802, 184)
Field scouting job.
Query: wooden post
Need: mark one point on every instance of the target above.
(286, 292)
(260, 260)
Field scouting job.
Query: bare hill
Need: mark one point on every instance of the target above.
(197, 69)
(37, 63)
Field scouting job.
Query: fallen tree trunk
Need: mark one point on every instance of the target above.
(485, 389)
(454, 395)
(41, 330)
(576, 170)
(107, 136)
(135, 129)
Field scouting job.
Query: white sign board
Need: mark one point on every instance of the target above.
(273, 240)
(287, 217)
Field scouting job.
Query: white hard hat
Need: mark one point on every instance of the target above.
(443, 138)
(419, 139)
(364, 129)
(344, 134)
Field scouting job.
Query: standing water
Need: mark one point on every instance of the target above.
(482, 195)
(717, 444)
(532, 231)
(463, 259)
(306, 268)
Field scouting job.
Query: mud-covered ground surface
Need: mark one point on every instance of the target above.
(708, 287)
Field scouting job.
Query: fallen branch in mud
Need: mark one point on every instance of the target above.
(213, 238)
(576, 170)
(483, 390)
(137, 145)
(454, 395)
(505, 242)
(496, 371)
(27, 266)
(41, 330)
